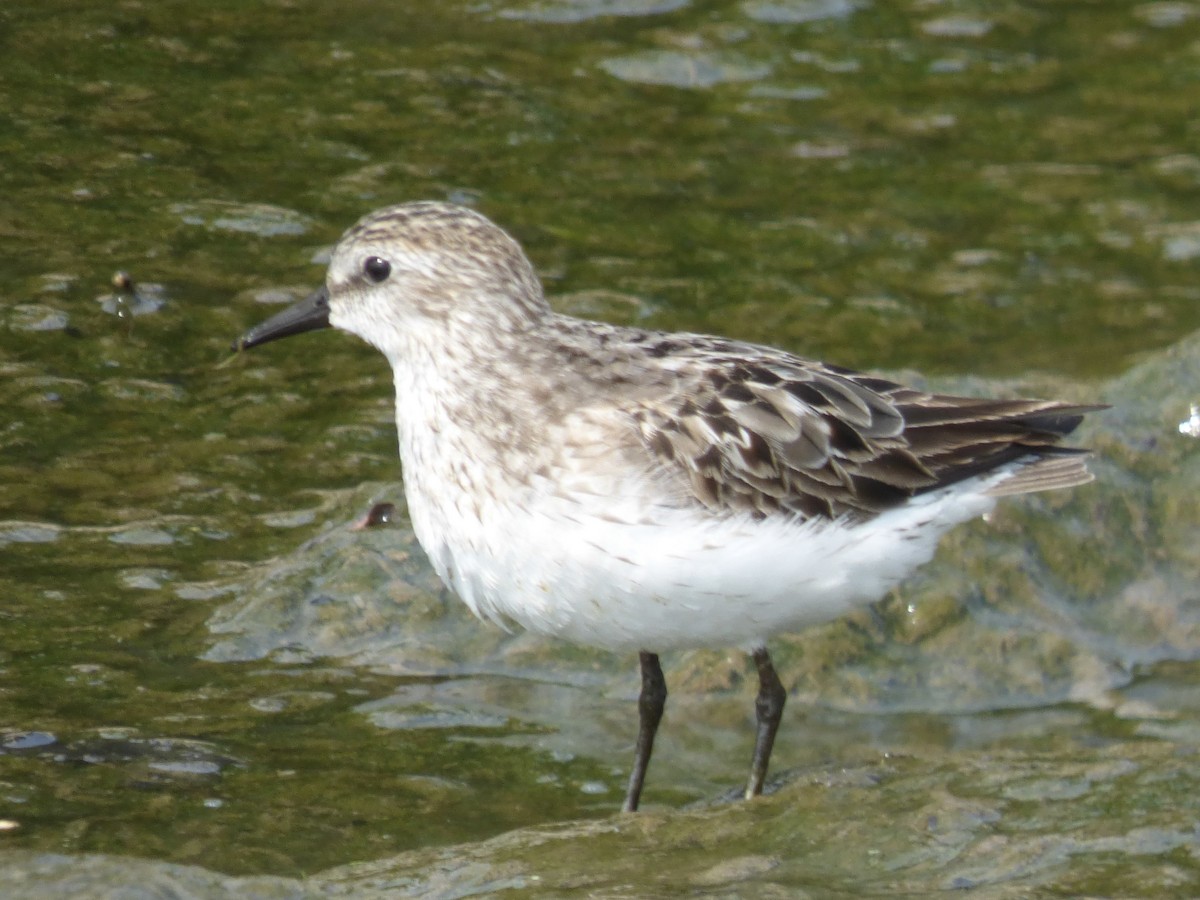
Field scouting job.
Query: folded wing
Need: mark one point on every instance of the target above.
(785, 435)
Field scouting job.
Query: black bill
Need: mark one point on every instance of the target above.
(309, 314)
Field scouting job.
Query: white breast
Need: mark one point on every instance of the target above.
(616, 573)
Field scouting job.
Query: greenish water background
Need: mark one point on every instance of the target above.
(1008, 190)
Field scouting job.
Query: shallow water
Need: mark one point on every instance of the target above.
(952, 188)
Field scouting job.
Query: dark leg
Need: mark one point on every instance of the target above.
(768, 708)
(650, 709)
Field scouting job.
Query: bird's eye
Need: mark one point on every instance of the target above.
(377, 269)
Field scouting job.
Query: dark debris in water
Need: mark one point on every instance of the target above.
(378, 515)
(130, 298)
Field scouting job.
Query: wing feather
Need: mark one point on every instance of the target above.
(778, 434)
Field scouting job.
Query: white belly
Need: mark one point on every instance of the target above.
(684, 579)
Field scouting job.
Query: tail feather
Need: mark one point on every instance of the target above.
(959, 438)
(1049, 473)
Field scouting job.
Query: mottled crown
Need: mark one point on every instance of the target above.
(450, 252)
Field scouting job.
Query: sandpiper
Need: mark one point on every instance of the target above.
(645, 491)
